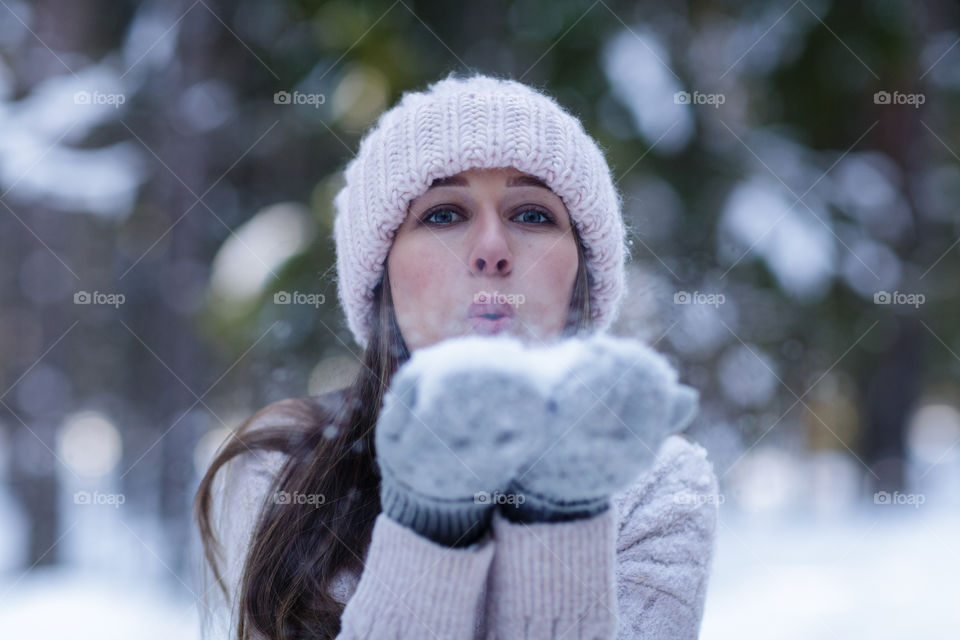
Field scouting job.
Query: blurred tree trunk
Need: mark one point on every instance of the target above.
(166, 470)
(63, 27)
(890, 387)
(891, 379)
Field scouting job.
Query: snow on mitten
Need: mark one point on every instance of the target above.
(610, 411)
(453, 430)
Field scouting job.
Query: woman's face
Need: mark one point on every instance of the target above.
(484, 251)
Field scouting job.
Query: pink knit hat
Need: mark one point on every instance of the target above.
(479, 122)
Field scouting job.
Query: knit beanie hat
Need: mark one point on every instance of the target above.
(478, 122)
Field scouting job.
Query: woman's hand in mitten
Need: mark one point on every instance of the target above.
(453, 430)
(611, 410)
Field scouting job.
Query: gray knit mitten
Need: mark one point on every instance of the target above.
(453, 430)
(611, 410)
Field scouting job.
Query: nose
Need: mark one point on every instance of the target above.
(490, 251)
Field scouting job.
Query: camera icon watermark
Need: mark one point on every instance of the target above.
(698, 297)
(296, 97)
(486, 498)
(97, 498)
(697, 98)
(512, 299)
(911, 99)
(313, 499)
(697, 499)
(897, 297)
(884, 497)
(296, 297)
(97, 297)
(95, 97)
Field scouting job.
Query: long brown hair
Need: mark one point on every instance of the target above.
(294, 553)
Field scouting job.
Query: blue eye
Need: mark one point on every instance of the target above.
(544, 218)
(443, 216)
(430, 217)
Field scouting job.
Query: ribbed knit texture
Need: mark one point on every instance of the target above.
(456, 523)
(637, 570)
(457, 124)
(536, 507)
(554, 580)
(414, 588)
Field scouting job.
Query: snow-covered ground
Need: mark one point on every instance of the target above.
(874, 575)
(66, 603)
(878, 574)
(799, 555)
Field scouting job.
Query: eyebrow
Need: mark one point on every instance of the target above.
(515, 181)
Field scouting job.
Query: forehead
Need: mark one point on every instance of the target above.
(515, 180)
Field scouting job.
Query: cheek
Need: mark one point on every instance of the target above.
(418, 280)
(414, 271)
(553, 275)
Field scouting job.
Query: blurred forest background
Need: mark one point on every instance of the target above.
(790, 172)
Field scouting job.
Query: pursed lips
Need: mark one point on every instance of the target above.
(489, 311)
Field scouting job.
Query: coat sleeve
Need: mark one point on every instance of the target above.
(553, 580)
(237, 493)
(665, 545)
(636, 572)
(410, 587)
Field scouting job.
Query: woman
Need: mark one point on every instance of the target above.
(510, 505)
